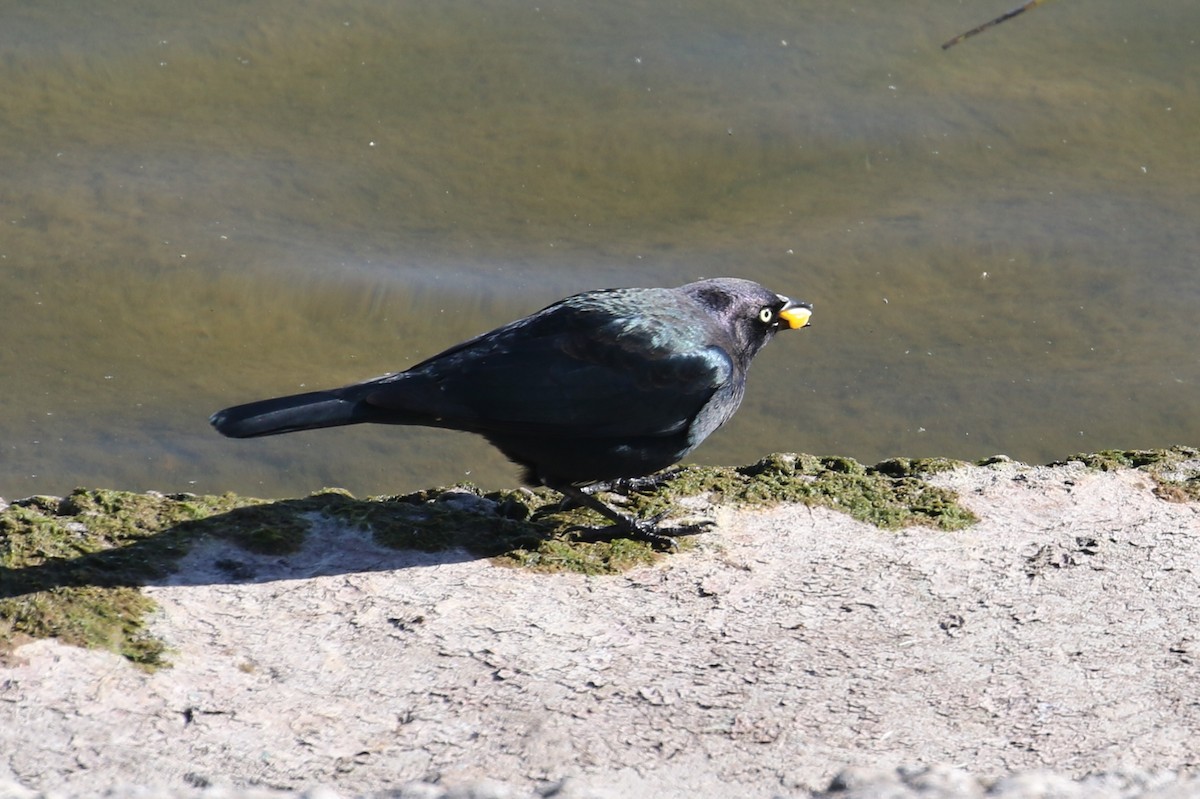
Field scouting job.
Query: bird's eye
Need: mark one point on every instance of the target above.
(766, 315)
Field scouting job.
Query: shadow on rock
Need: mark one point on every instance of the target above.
(105, 539)
(72, 568)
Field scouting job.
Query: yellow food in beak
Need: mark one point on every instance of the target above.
(796, 316)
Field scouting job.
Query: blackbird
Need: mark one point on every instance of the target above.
(600, 386)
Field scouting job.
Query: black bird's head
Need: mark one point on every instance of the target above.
(750, 313)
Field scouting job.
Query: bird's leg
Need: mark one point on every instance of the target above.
(622, 525)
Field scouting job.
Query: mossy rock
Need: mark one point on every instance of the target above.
(1174, 470)
(72, 567)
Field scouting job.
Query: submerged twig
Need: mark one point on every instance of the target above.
(980, 29)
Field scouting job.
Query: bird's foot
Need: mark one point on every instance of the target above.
(627, 527)
(647, 530)
(631, 485)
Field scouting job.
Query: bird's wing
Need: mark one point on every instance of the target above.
(563, 373)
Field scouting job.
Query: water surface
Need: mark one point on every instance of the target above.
(206, 205)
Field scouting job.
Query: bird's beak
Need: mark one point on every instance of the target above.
(795, 314)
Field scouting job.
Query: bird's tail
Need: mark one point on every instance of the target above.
(288, 414)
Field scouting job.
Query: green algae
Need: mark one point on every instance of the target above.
(890, 495)
(70, 568)
(594, 558)
(1174, 470)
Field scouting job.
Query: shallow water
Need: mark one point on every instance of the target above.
(207, 205)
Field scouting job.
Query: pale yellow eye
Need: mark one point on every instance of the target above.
(766, 315)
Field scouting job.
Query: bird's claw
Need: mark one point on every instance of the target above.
(635, 532)
(666, 540)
